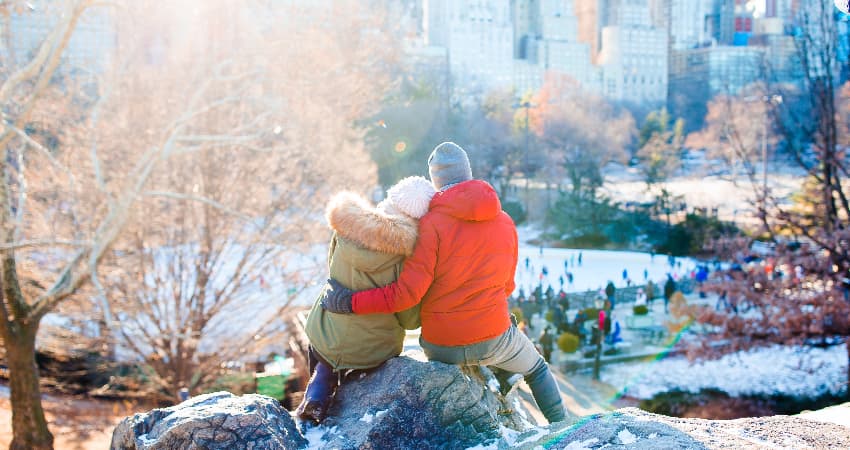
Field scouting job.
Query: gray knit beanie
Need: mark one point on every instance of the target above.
(448, 164)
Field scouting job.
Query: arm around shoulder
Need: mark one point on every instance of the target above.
(416, 277)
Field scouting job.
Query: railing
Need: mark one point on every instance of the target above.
(623, 295)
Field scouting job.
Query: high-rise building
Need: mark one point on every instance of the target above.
(691, 25)
(781, 9)
(770, 8)
(698, 75)
(526, 18)
(558, 49)
(731, 21)
(633, 55)
(659, 13)
(88, 51)
(591, 16)
(513, 43)
(479, 38)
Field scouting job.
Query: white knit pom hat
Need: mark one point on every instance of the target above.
(411, 196)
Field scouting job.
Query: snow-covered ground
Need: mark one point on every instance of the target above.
(597, 268)
(731, 194)
(808, 372)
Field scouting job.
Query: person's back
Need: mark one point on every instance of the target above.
(669, 287)
(546, 339)
(546, 344)
(475, 245)
(610, 289)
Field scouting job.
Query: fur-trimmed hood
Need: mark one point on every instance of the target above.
(356, 220)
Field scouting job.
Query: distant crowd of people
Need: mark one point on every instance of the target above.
(553, 307)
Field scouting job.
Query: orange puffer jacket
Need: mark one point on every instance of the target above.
(462, 269)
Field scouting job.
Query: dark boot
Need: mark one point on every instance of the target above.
(319, 394)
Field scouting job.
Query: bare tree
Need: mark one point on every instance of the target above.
(800, 294)
(494, 133)
(660, 147)
(567, 121)
(738, 131)
(93, 171)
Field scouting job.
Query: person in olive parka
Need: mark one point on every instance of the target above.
(367, 250)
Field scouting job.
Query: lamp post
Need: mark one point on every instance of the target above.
(597, 333)
(768, 100)
(527, 105)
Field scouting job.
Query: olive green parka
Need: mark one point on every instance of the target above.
(367, 250)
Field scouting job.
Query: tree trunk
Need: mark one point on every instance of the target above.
(29, 427)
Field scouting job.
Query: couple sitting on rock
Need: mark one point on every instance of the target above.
(459, 262)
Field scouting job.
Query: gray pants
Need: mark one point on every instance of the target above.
(512, 352)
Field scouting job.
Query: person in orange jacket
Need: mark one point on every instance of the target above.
(462, 272)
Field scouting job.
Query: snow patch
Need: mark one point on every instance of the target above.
(584, 445)
(369, 417)
(493, 385)
(839, 414)
(804, 372)
(513, 438)
(626, 437)
(314, 438)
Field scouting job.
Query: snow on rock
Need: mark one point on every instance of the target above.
(575, 445)
(838, 414)
(626, 437)
(632, 428)
(224, 421)
(407, 403)
(217, 421)
(368, 417)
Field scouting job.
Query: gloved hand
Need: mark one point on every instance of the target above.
(336, 298)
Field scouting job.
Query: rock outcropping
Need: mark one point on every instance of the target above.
(417, 405)
(216, 421)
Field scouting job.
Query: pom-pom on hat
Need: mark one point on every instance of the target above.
(410, 196)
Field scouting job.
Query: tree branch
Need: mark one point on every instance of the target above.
(37, 63)
(46, 67)
(201, 199)
(17, 245)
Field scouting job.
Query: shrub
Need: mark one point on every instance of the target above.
(568, 342)
(550, 316)
(515, 210)
(591, 313)
(587, 219)
(640, 310)
(677, 300)
(690, 236)
(517, 312)
(678, 403)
